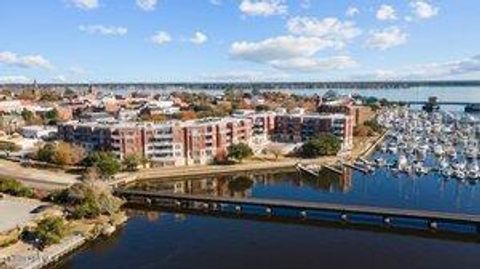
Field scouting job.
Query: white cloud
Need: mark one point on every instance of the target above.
(424, 10)
(147, 5)
(263, 7)
(386, 12)
(292, 53)
(314, 65)
(103, 30)
(352, 12)
(25, 61)
(15, 79)
(85, 4)
(387, 38)
(161, 38)
(329, 28)
(280, 47)
(199, 38)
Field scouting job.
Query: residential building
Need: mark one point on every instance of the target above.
(298, 128)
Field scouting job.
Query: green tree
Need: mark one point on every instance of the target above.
(131, 162)
(46, 153)
(239, 151)
(52, 116)
(50, 231)
(28, 115)
(106, 162)
(323, 145)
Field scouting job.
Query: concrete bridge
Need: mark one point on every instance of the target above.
(387, 215)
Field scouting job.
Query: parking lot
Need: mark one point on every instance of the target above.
(16, 212)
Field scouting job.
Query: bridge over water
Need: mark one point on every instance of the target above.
(303, 208)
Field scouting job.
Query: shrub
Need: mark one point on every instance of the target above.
(50, 231)
(15, 188)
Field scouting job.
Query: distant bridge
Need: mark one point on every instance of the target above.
(252, 85)
(303, 208)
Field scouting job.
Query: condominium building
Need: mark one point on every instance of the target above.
(199, 142)
(297, 128)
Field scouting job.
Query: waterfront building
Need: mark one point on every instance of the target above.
(298, 128)
(200, 142)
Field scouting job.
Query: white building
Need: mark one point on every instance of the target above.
(39, 131)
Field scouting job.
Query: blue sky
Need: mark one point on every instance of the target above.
(237, 40)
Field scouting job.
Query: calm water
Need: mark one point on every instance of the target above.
(155, 239)
(160, 240)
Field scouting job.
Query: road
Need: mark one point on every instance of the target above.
(38, 178)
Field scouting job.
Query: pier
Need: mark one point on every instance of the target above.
(304, 208)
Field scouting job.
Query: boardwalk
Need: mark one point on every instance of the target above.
(303, 206)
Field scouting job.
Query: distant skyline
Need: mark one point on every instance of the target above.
(69, 41)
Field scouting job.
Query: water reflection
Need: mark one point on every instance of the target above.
(241, 186)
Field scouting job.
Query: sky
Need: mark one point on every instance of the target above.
(238, 40)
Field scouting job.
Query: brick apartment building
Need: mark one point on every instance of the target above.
(298, 128)
(198, 142)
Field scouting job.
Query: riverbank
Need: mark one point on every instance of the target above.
(22, 214)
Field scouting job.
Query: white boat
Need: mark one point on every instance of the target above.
(447, 172)
(459, 174)
(438, 150)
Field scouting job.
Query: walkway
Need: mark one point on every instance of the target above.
(43, 179)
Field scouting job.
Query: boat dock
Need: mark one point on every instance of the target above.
(304, 208)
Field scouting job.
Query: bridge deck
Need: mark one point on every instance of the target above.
(305, 205)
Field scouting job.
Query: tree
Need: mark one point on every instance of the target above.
(239, 151)
(87, 199)
(323, 145)
(28, 115)
(131, 162)
(52, 116)
(46, 153)
(373, 125)
(106, 162)
(276, 150)
(68, 154)
(50, 230)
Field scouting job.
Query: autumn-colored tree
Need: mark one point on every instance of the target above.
(68, 154)
(188, 115)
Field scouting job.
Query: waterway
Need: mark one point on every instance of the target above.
(153, 238)
(156, 239)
